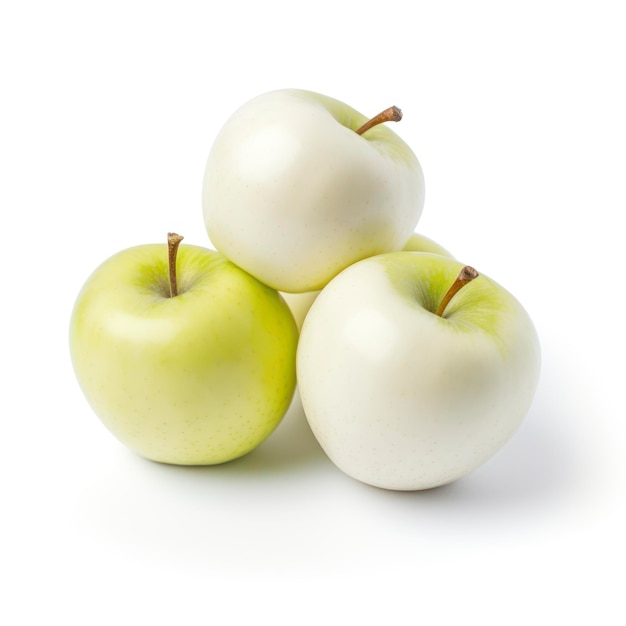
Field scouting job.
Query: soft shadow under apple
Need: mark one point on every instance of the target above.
(542, 468)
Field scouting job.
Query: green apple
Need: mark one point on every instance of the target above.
(188, 361)
(298, 186)
(409, 381)
(420, 243)
(300, 303)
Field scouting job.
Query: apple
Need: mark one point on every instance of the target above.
(420, 243)
(413, 370)
(185, 357)
(300, 303)
(298, 186)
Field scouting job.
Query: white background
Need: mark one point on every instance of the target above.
(517, 113)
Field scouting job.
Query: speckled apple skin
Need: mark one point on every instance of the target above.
(293, 195)
(198, 379)
(401, 398)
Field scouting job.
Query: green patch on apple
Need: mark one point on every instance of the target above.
(300, 303)
(483, 304)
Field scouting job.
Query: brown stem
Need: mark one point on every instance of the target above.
(466, 275)
(392, 114)
(173, 241)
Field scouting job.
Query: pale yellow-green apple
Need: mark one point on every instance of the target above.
(186, 358)
(420, 243)
(298, 186)
(413, 370)
(300, 303)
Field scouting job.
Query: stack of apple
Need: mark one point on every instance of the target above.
(412, 368)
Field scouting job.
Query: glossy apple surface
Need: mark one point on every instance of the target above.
(402, 398)
(300, 303)
(200, 378)
(293, 195)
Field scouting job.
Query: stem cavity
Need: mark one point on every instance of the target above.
(392, 114)
(466, 275)
(173, 241)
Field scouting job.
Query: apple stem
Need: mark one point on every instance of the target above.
(173, 241)
(392, 114)
(466, 275)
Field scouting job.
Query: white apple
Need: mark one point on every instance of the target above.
(295, 190)
(200, 377)
(403, 396)
(300, 303)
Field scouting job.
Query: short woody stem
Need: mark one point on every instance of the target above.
(173, 241)
(466, 275)
(392, 114)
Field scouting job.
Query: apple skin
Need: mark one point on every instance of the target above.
(300, 303)
(293, 195)
(197, 379)
(401, 398)
(420, 243)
